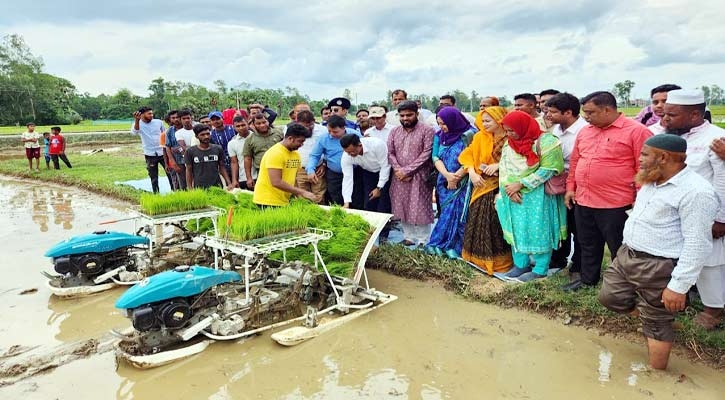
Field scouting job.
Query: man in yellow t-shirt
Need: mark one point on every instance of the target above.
(278, 170)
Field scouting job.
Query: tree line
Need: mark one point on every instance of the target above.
(27, 94)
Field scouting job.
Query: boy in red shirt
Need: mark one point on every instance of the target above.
(57, 148)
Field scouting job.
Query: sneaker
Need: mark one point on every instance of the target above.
(574, 286)
(452, 254)
(530, 276)
(515, 272)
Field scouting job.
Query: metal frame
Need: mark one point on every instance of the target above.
(163, 219)
(267, 245)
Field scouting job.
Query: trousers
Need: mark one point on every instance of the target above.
(596, 227)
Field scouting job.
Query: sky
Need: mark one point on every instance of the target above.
(370, 47)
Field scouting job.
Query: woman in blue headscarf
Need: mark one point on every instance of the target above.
(452, 187)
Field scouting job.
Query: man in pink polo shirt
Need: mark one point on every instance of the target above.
(601, 185)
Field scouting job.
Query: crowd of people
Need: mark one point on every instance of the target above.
(514, 193)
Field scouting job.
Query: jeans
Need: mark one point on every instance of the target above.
(152, 166)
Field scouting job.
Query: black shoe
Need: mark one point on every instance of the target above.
(573, 286)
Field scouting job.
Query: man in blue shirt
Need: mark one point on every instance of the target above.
(150, 129)
(339, 106)
(329, 147)
(221, 134)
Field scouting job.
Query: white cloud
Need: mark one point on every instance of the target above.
(321, 48)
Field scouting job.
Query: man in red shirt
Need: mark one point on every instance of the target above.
(57, 148)
(600, 185)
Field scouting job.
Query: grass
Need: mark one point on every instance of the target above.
(96, 172)
(85, 126)
(543, 297)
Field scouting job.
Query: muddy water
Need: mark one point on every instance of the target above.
(429, 344)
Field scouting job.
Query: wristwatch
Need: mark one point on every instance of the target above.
(379, 188)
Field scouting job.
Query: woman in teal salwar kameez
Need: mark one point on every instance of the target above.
(533, 222)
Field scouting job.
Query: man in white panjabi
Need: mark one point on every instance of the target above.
(684, 115)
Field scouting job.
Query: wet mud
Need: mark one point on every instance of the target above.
(429, 344)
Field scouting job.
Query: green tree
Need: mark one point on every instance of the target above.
(623, 91)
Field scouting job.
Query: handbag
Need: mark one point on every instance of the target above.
(556, 185)
(432, 178)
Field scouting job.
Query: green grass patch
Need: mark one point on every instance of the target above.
(96, 172)
(86, 126)
(543, 297)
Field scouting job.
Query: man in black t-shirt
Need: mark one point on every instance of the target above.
(205, 161)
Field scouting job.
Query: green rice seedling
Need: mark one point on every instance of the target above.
(157, 204)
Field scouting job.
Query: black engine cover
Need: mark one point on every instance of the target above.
(171, 314)
(175, 314)
(63, 265)
(144, 319)
(90, 264)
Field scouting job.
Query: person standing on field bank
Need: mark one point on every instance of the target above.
(562, 111)
(325, 115)
(57, 148)
(339, 106)
(652, 119)
(528, 103)
(205, 162)
(371, 155)
(221, 134)
(278, 170)
(667, 239)
(483, 241)
(267, 112)
(236, 152)
(328, 147)
(380, 128)
(30, 140)
(149, 129)
(172, 169)
(410, 147)
(445, 101)
(398, 96)
(684, 116)
(46, 149)
(263, 137)
(317, 132)
(363, 119)
(544, 96)
(600, 185)
(651, 116)
(178, 140)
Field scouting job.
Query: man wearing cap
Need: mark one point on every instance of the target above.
(380, 127)
(396, 97)
(600, 186)
(221, 135)
(684, 115)
(667, 238)
(339, 106)
(409, 153)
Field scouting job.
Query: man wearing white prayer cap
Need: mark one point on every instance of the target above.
(685, 117)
